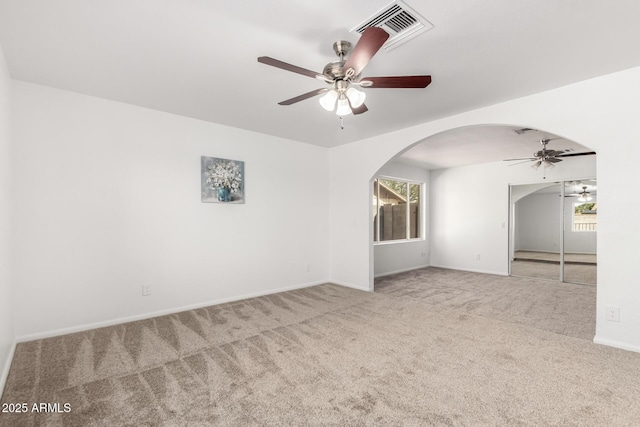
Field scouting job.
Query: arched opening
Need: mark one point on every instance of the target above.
(465, 207)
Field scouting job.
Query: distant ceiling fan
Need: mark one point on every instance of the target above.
(547, 157)
(344, 75)
(583, 196)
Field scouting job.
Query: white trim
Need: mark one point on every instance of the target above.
(349, 285)
(573, 218)
(421, 209)
(394, 242)
(5, 371)
(471, 270)
(88, 326)
(616, 344)
(558, 253)
(404, 270)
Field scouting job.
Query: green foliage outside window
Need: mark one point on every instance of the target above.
(584, 207)
(401, 188)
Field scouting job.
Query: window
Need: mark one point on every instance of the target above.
(585, 217)
(396, 210)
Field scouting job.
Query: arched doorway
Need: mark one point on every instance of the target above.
(466, 207)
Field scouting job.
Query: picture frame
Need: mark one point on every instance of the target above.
(221, 180)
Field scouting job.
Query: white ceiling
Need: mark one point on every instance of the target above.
(197, 58)
(483, 144)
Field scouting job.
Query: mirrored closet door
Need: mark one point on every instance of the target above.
(553, 230)
(580, 229)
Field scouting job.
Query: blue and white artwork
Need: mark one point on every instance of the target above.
(222, 180)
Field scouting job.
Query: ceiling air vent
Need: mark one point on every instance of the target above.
(524, 130)
(399, 20)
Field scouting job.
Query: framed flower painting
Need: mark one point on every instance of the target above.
(222, 180)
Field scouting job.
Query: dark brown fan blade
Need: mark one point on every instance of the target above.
(361, 109)
(303, 96)
(554, 153)
(553, 160)
(397, 82)
(370, 42)
(285, 66)
(588, 153)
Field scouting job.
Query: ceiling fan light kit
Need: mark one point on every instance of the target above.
(343, 75)
(328, 101)
(343, 108)
(344, 99)
(545, 163)
(585, 196)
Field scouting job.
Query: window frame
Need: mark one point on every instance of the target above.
(420, 218)
(573, 218)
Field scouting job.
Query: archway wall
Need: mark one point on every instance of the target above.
(600, 113)
(470, 211)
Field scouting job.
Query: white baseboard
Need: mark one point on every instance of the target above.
(404, 270)
(349, 285)
(88, 326)
(538, 251)
(616, 344)
(5, 369)
(472, 270)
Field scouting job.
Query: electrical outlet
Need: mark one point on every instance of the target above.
(308, 268)
(146, 289)
(612, 313)
(477, 257)
(423, 254)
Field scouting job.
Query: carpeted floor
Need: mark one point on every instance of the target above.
(563, 308)
(418, 353)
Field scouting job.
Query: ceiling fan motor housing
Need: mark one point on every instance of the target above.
(333, 70)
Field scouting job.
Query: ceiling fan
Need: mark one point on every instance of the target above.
(547, 157)
(583, 196)
(343, 76)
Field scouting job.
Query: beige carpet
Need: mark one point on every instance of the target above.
(550, 305)
(330, 355)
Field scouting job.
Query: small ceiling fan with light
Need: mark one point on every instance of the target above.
(343, 75)
(583, 196)
(547, 157)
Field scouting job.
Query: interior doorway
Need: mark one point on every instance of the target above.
(553, 231)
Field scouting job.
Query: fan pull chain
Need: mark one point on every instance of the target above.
(341, 123)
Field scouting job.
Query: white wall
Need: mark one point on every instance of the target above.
(599, 113)
(470, 211)
(396, 257)
(108, 198)
(7, 333)
(538, 222)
